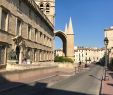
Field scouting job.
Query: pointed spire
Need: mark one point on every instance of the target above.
(66, 29)
(70, 27)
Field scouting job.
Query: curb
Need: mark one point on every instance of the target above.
(100, 91)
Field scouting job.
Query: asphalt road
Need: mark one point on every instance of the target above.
(85, 83)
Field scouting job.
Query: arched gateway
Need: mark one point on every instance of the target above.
(67, 38)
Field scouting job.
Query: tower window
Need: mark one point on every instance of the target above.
(42, 7)
(47, 8)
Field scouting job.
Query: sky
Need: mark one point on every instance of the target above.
(89, 18)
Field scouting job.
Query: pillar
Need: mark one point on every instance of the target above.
(0, 17)
(21, 55)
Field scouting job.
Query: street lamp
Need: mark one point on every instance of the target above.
(106, 41)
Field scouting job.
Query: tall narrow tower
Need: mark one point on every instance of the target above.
(70, 41)
(48, 8)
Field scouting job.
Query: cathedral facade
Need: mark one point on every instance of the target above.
(26, 32)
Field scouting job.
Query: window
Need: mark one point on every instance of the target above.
(19, 4)
(40, 35)
(44, 39)
(18, 30)
(86, 53)
(29, 32)
(42, 7)
(28, 53)
(4, 21)
(47, 8)
(36, 35)
(30, 13)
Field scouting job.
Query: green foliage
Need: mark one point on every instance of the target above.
(63, 59)
(12, 55)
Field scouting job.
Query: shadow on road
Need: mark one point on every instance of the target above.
(110, 84)
(111, 74)
(95, 77)
(36, 88)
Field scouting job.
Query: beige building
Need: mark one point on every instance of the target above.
(25, 32)
(109, 34)
(58, 52)
(88, 55)
(85, 55)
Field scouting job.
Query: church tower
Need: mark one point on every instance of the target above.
(48, 8)
(70, 40)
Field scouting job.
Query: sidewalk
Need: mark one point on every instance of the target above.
(10, 85)
(107, 86)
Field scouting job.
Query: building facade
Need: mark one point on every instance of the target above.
(109, 34)
(59, 52)
(25, 32)
(48, 8)
(88, 55)
(84, 55)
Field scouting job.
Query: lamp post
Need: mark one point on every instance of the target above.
(106, 59)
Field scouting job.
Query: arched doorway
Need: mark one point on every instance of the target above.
(17, 52)
(62, 36)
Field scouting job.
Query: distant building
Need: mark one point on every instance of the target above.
(84, 54)
(25, 30)
(88, 55)
(59, 52)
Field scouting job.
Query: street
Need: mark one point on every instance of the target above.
(86, 82)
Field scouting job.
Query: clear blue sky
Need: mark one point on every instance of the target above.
(89, 17)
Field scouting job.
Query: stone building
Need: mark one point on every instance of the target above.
(25, 31)
(48, 8)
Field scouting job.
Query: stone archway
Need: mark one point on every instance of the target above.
(19, 48)
(62, 36)
(68, 43)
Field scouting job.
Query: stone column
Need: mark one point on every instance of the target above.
(51, 56)
(45, 55)
(0, 17)
(38, 56)
(21, 55)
